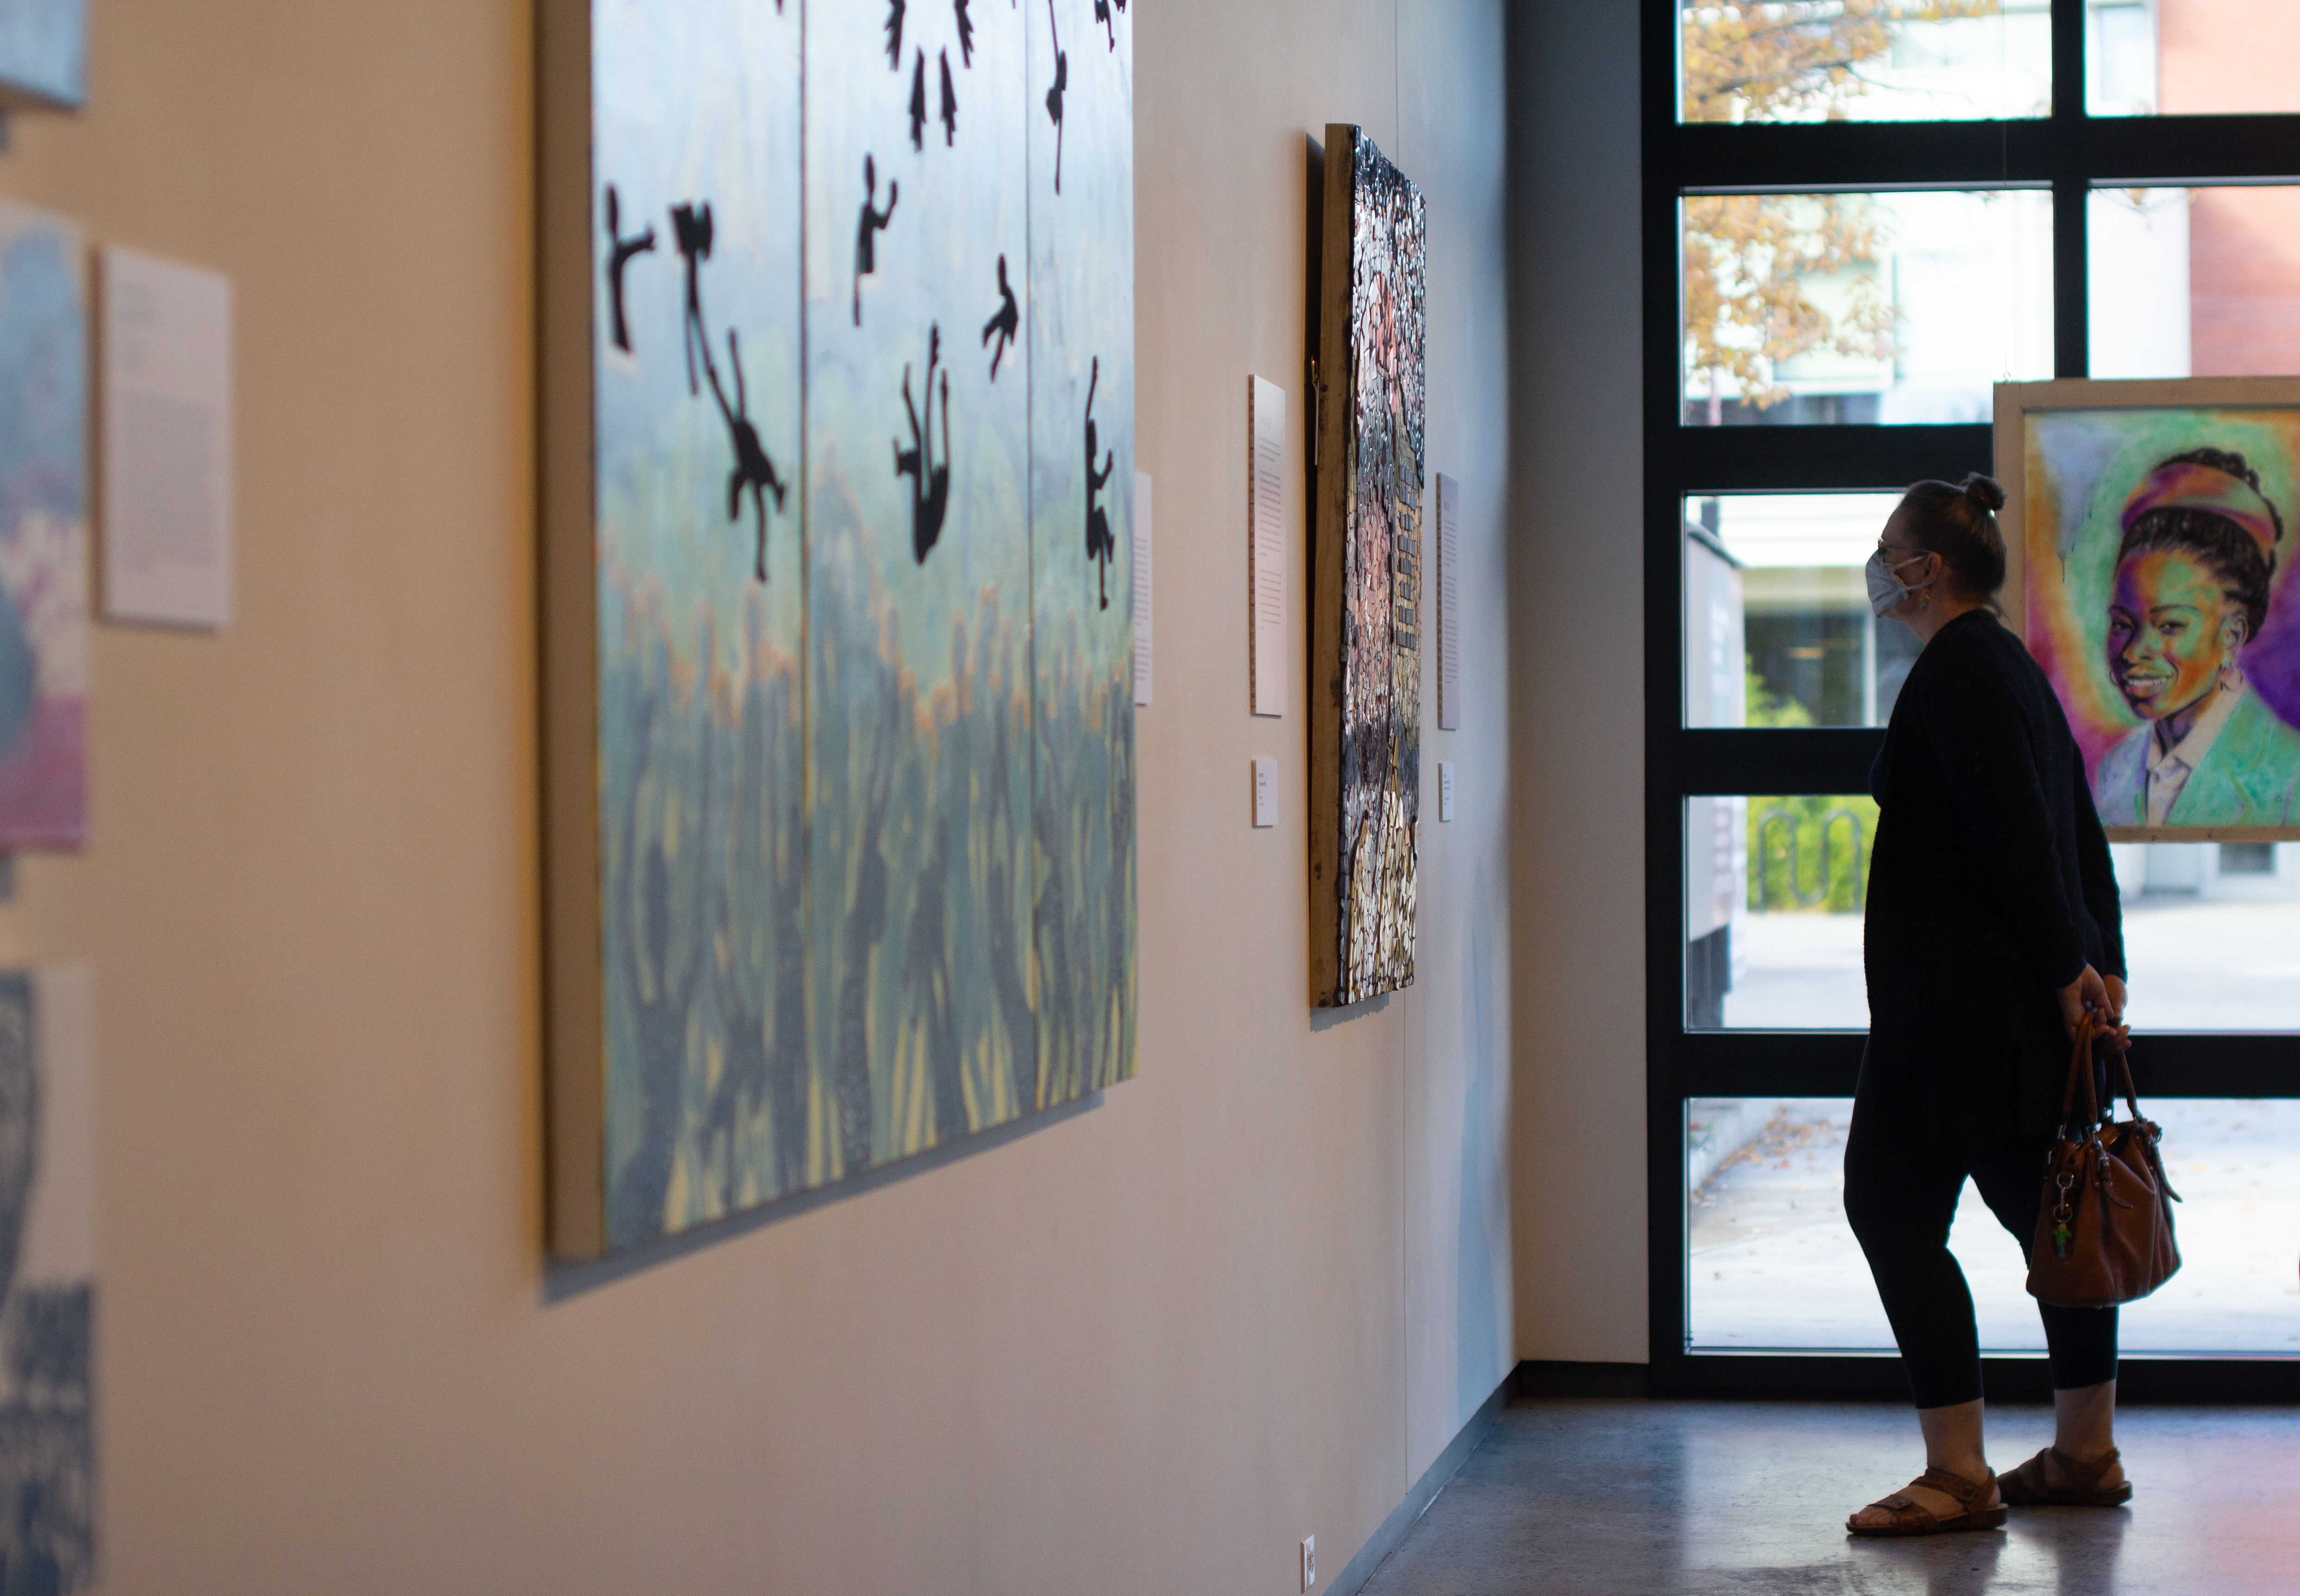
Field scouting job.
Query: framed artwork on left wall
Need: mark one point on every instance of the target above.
(43, 531)
(48, 1289)
(43, 54)
(1365, 577)
(837, 421)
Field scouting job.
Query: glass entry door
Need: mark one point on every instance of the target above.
(1856, 222)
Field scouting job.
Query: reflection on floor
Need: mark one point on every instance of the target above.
(1667, 1499)
(2197, 965)
(1773, 1263)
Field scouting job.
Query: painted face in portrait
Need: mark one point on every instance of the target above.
(2172, 631)
(2191, 580)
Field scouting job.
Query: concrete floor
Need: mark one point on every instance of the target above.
(1703, 1498)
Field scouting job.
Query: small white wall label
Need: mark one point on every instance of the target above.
(1444, 790)
(1266, 544)
(166, 442)
(1449, 607)
(1265, 792)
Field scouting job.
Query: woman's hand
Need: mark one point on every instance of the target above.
(2087, 992)
(2114, 1034)
(2103, 998)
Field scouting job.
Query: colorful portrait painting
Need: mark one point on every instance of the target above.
(848, 613)
(43, 531)
(2158, 543)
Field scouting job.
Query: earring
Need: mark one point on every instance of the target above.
(1924, 601)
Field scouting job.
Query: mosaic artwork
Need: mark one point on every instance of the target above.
(1365, 590)
(855, 599)
(47, 1284)
(2159, 600)
(43, 531)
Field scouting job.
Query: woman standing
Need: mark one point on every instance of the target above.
(1992, 927)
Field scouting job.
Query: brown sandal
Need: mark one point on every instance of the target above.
(1910, 1519)
(2026, 1486)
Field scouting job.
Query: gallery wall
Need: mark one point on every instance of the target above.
(1145, 1346)
(1578, 684)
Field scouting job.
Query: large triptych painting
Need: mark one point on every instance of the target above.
(838, 391)
(2153, 525)
(1365, 583)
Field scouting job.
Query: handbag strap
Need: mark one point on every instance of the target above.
(2080, 1071)
(2124, 1067)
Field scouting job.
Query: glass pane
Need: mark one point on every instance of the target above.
(1774, 888)
(1777, 629)
(2194, 283)
(2212, 934)
(1893, 308)
(1864, 60)
(2191, 57)
(1771, 1264)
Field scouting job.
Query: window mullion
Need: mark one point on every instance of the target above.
(2071, 297)
(2068, 62)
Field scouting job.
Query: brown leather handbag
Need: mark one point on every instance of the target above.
(2104, 1229)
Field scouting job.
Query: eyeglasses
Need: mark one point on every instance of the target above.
(1895, 556)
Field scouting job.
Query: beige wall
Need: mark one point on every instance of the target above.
(1578, 663)
(1147, 1348)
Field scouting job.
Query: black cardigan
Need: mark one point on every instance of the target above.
(1989, 889)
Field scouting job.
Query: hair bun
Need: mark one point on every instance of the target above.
(1984, 491)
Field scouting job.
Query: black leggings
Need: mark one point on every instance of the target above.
(1901, 1191)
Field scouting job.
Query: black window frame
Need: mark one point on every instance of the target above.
(2070, 153)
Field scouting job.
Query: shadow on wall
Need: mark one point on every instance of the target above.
(1326, 1019)
(561, 1282)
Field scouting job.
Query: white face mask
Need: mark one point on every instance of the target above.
(1888, 592)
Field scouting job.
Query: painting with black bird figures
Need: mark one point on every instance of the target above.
(860, 610)
(1080, 316)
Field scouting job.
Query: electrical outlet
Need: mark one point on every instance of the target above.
(1309, 1562)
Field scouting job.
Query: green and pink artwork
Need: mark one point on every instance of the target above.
(43, 531)
(2158, 545)
(840, 745)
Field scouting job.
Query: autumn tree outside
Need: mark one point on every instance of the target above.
(1751, 260)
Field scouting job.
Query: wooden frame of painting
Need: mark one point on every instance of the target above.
(2149, 541)
(836, 375)
(1365, 577)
